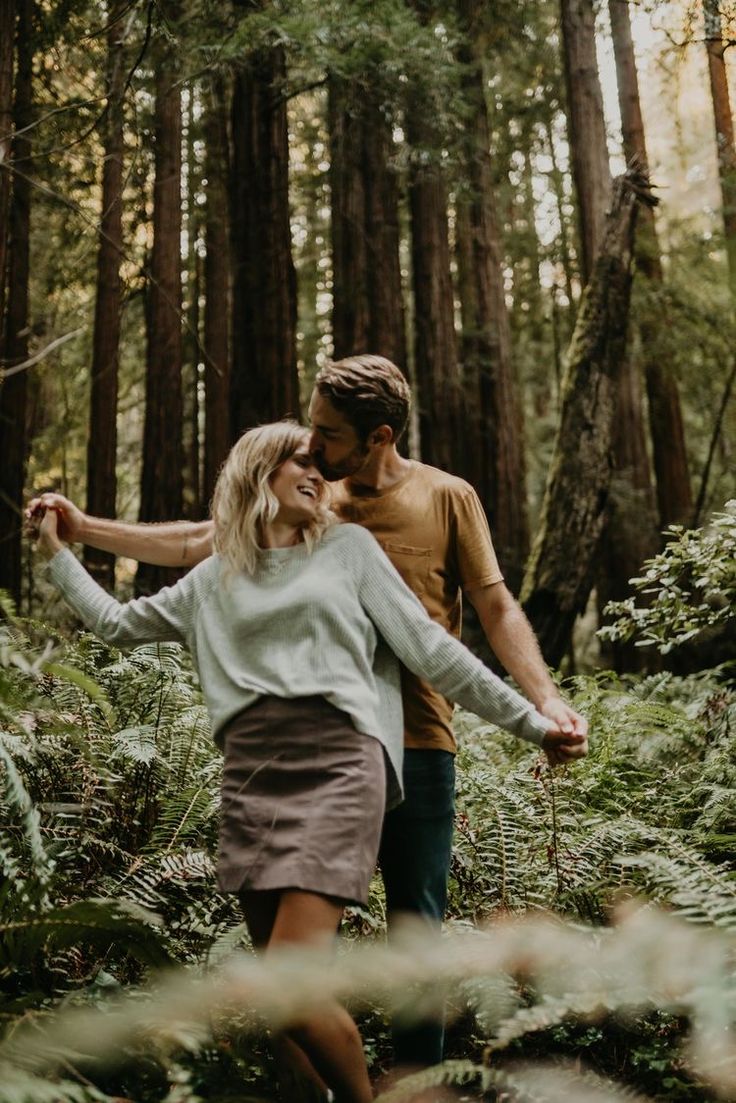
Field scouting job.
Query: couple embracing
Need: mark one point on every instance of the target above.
(330, 556)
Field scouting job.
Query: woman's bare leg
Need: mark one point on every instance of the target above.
(329, 1038)
(299, 1081)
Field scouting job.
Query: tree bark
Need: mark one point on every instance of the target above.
(350, 301)
(674, 493)
(495, 434)
(192, 345)
(723, 121)
(368, 306)
(586, 125)
(161, 480)
(631, 531)
(438, 377)
(562, 566)
(217, 288)
(7, 39)
(14, 349)
(102, 438)
(627, 543)
(264, 382)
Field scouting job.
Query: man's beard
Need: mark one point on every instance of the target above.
(349, 465)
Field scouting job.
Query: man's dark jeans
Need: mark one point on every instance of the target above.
(416, 847)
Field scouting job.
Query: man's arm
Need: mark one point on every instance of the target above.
(170, 544)
(513, 642)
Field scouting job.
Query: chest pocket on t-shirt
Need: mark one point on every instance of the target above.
(411, 563)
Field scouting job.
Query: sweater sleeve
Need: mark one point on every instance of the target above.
(167, 615)
(430, 652)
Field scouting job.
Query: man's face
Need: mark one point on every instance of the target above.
(335, 445)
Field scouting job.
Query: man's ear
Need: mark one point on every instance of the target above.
(382, 434)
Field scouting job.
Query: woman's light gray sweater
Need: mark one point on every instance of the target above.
(305, 624)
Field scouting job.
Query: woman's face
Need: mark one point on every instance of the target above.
(299, 488)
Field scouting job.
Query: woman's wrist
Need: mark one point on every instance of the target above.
(50, 547)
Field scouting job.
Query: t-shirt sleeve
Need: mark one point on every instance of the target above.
(477, 564)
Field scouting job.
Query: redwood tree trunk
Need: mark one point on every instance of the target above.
(102, 439)
(674, 495)
(586, 126)
(368, 309)
(495, 433)
(264, 383)
(192, 491)
(562, 566)
(350, 303)
(161, 481)
(723, 127)
(217, 288)
(14, 349)
(7, 38)
(631, 533)
(439, 390)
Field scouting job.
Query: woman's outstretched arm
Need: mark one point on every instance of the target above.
(167, 615)
(430, 652)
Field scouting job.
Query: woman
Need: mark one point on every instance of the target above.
(283, 625)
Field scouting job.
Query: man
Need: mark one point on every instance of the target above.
(433, 528)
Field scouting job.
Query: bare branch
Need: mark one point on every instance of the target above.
(5, 373)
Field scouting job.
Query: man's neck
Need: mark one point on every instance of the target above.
(385, 468)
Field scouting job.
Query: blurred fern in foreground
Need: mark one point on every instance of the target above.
(110, 793)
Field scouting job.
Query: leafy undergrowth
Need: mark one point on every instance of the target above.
(108, 839)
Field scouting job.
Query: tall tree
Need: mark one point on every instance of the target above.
(723, 121)
(217, 286)
(626, 545)
(7, 39)
(161, 478)
(495, 434)
(674, 495)
(192, 344)
(564, 558)
(436, 364)
(264, 383)
(14, 346)
(586, 126)
(102, 436)
(368, 310)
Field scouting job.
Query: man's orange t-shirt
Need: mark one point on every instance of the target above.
(433, 529)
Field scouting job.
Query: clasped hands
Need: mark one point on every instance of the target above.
(51, 520)
(569, 740)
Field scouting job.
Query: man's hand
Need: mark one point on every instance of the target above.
(70, 519)
(564, 746)
(560, 713)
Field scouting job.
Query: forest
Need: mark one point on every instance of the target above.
(529, 206)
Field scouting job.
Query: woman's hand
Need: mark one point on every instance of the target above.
(48, 535)
(564, 746)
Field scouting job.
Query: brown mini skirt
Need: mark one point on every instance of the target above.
(303, 798)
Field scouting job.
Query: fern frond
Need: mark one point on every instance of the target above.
(19, 807)
(695, 888)
(96, 922)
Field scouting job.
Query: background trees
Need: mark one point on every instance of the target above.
(404, 177)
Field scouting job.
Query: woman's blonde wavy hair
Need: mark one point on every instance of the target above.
(243, 502)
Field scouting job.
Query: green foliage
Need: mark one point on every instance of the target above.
(109, 814)
(688, 588)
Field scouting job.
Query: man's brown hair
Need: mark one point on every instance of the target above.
(370, 391)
